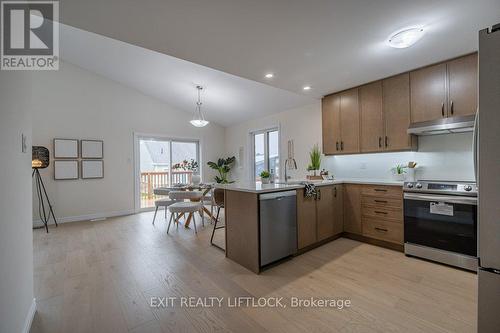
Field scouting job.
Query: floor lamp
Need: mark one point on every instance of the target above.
(40, 160)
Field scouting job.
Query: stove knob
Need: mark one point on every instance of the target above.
(418, 185)
(468, 188)
(410, 185)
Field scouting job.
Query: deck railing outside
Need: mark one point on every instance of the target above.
(153, 179)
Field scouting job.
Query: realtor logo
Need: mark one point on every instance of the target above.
(29, 35)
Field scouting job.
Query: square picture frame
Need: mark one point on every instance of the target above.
(92, 169)
(92, 149)
(66, 170)
(65, 148)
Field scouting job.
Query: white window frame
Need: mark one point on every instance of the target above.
(266, 149)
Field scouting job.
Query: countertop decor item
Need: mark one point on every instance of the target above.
(223, 166)
(411, 171)
(265, 177)
(399, 171)
(315, 163)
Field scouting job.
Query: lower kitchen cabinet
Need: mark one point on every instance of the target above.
(352, 208)
(321, 217)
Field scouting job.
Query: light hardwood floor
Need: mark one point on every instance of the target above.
(99, 277)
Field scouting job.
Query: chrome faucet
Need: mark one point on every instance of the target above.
(293, 166)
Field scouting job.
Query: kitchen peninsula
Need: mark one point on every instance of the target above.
(267, 223)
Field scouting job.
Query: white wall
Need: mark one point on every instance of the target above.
(302, 125)
(16, 235)
(75, 103)
(444, 157)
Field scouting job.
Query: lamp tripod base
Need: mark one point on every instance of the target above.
(45, 209)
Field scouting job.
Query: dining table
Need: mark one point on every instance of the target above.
(202, 188)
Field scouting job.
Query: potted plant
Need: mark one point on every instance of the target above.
(315, 163)
(265, 176)
(189, 166)
(223, 166)
(399, 171)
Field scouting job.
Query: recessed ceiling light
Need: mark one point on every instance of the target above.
(405, 38)
(307, 88)
(269, 75)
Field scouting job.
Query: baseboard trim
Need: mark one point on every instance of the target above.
(29, 317)
(88, 217)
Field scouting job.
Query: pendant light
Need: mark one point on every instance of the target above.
(199, 120)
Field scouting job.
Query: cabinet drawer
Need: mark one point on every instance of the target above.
(383, 191)
(383, 230)
(390, 213)
(382, 201)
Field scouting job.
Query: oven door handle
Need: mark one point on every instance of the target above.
(442, 198)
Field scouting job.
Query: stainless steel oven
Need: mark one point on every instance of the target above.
(440, 222)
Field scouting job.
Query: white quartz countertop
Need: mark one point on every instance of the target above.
(258, 187)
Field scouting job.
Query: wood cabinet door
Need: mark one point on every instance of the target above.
(462, 86)
(338, 209)
(352, 208)
(428, 93)
(330, 111)
(349, 121)
(372, 122)
(396, 106)
(325, 212)
(306, 220)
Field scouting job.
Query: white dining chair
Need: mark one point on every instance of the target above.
(182, 207)
(163, 202)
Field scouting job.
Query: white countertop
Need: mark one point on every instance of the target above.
(258, 187)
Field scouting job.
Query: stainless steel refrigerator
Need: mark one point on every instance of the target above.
(487, 135)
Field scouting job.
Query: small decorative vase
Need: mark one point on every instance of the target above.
(399, 176)
(196, 179)
(265, 180)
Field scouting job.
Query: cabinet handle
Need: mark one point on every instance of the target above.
(380, 142)
(381, 229)
(451, 107)
(341, 145)
(381, 201)
(442, 109)
(379, 212)
(386, 141)
(337, 145)
(335, 192)
(380, 190)
(318, 195)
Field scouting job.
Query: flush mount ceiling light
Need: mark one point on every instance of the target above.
(405, 38)
(199, 120)
(269, 75)
(307, 88)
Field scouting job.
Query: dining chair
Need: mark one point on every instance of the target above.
(182, 207)
(218, 196)
(163, 202)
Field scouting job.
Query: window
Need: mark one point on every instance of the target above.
(164, 163)
(266, 152)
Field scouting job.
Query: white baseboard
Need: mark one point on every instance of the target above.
(88, 217)
(29, 317)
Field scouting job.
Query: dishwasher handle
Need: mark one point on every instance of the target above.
(277, 195)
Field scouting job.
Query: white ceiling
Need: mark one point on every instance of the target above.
(328, 44)
(227, 99)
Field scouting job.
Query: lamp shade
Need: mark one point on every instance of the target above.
(40, 157)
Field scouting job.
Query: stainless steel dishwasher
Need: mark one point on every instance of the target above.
(278, 226)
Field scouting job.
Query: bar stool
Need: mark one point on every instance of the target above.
(218, 196)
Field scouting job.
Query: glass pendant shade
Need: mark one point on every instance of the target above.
(199, 120)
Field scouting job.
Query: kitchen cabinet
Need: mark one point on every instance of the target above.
(444, 90)
(352, 208)
(428, 93)
(349, 121)
(321, 217)
(462, 83)
(330, 106)
(306, 220)
(372, 119)
(396, 108)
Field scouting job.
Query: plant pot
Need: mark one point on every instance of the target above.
(399, 176)
(265, 180)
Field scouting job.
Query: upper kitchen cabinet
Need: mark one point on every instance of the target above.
(444, 90)
(349, 121)
(396, 107)
(428, 93)
(462, 83)
(372, 120)
(330, 106)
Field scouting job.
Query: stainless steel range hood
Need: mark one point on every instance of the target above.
(457, 124)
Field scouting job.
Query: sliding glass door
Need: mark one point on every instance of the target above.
(266, 153)
(163, 163)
